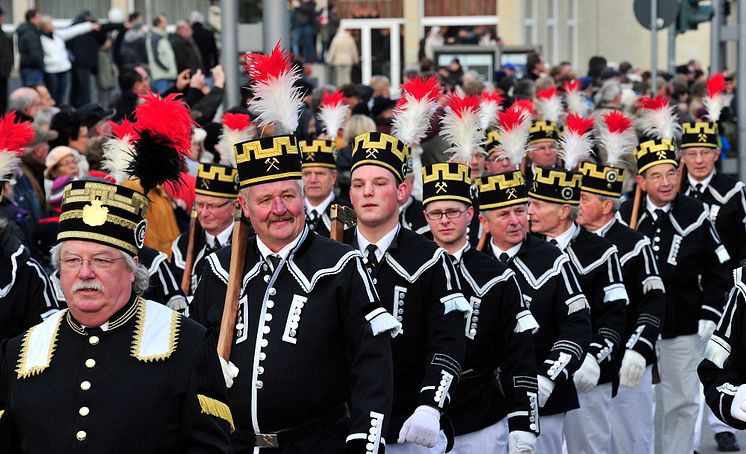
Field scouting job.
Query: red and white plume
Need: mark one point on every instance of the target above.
(14, 138)
(460, 127)
(657, 118)
(489, 105)
(616, 136)
(548, 105)
(333, 112)
(119, 150)
(574, 98)
(717, 98)
(513, 125)
(237, 128)
(576, 143)
(413, 111)
(526, 105)
(276, 99)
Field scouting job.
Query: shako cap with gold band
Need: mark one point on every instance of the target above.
(319, 153)
(704, 132)
(616, 137)
(383, 150)
(660, 131)
(103, 213)
(217, 180)
(545, 127)
(446, 181)
(562, 185)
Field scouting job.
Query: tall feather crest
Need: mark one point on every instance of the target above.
(333, 112)
(574, 98)
(276, 99)
(489, 106)
(513, 125)
(165, 129)
(15, 136)
(236, 129)
(526, 105)
(717, 98)
(415, 108)
(119, 150)
(460, 128)
(657, 118)
(548, 105)
(576, 143)
(616, 136)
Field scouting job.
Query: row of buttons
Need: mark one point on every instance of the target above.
(85, 385)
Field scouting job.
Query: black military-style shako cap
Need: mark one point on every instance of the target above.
(555, 185)
(700, 134)
(602, 180)
(501, 190)
(653, 151)
(491, 141)
(543, 131)
(318, 153)
(104, 213)
(217, 180)
(446, 181)
(383, 150)
(267, 159)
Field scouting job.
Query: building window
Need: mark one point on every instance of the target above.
(69, 9)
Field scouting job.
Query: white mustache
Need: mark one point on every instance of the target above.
(88, 285)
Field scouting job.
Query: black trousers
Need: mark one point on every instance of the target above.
(80, 87)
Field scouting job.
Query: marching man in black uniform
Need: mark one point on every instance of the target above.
(554, 196)
(631, 411)
(310, 337)
(691, 261)
(498, 331)
(319, 177)
(416, 281)
(113, 365)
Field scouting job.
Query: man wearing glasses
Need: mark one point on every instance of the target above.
(319, 177)
(214, 202)
(113, 364)
(499, 329)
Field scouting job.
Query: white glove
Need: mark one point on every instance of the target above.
(520, 442)
(423, 427)
(546, 386)
(586, 377)
(706, 328)
(738, 406)
(633, 366)
(230, 371)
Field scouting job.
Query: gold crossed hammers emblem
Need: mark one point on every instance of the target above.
(512, 193)
(205, 183)
(702, 137)
(272, 163)
(441, 186)
(661, 154)
(371, 153)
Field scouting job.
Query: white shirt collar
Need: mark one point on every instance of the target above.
(651, 207)
(706, 182)
(604, 228)
(383, 244)
(222, 236)
(104, 327)
(458, 254)
(564, 238)
(283, 253)
(321, 208)
(511, 252)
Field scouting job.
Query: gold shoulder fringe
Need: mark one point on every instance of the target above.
(216, 408)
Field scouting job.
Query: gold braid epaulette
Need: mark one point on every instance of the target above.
(214, 407)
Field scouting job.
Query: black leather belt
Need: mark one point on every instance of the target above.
(283, 437)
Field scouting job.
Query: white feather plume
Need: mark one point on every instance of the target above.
(488, 114)
(576, 102)
(278, 102)
(117, 155)
(715, 105)
(228, 138)
(575, 149)
(412, 119)
(462, 132)
(334, 118)
(549, 109)
(617, 146)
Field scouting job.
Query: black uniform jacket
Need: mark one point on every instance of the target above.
(647, 300)
(725, 199)
(323, 223)
(309, 336)
(417, 283)
(150, 383)
(499, 335)
(26, 294)
(412, 217)
(179, 257)
(596, 264)
(552, 293)
(723, 369)
(691, 261)
(164, 288)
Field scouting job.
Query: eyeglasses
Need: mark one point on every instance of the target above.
(97, 263)
(450, 214)
(199, 206)
(658, 177)
(698, 153)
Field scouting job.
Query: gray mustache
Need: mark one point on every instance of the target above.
(88, 285)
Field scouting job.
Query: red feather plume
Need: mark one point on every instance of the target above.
(332, 99)
(546, 94)
(571, 86)
(262, 67)
(167, 118)
(236, 121)
(716, 84)
(462, 106)
(125, 129)
(14, 137)
(578, 125)
(512, 117)
(422, 88)
(526, 105)
(617, 122)
(493, 97)
(660, 102)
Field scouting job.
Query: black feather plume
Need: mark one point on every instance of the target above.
(155, 162)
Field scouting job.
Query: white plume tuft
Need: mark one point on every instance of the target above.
(412, 119)
(575, 148)
(117, 156)
(715, 105)
(278, 102)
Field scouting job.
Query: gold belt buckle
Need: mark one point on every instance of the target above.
(266, 441)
